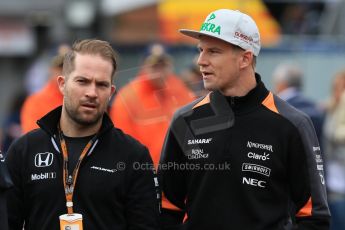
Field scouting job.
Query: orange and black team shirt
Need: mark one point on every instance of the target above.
(260, 168)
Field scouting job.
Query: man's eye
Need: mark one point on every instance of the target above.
(103, 85)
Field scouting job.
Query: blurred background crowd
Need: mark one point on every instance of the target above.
(302, 60)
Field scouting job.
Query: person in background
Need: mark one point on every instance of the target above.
(193, 79)
(5, 184)
(288, 83)
(49, 97)
(11, 126)
(77, 162)
(240, 157)
(334, 146)
(144, 107)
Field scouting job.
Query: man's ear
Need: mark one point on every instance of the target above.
(246, 59)
(113, 89)
(61, 83)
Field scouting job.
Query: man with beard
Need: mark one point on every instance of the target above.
(77, 166)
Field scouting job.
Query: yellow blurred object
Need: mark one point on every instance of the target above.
(189, 14)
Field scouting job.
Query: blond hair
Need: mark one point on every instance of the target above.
(89, 46)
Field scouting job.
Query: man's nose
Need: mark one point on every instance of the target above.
(202, 60)
(91, 91)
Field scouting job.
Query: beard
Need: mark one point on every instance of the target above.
(77, 116)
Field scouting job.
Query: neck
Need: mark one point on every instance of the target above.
(71, 128)
(241, 88)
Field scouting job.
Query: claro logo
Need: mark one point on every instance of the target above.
(44, 159)
(256, 156)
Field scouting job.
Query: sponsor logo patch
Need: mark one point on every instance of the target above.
(317, 148)
(103, 169)
(256, 156)
(44, 159)
(322, 179)
(254, 182)
(197, 154)
(256, 169)
(319, 162)
(244, 37)
(200, 141)
(43, 176)
(260, 146)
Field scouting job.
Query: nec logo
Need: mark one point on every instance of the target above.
(254, 182)
(44, 159)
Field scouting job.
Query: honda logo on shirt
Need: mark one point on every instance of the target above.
(44, 159)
